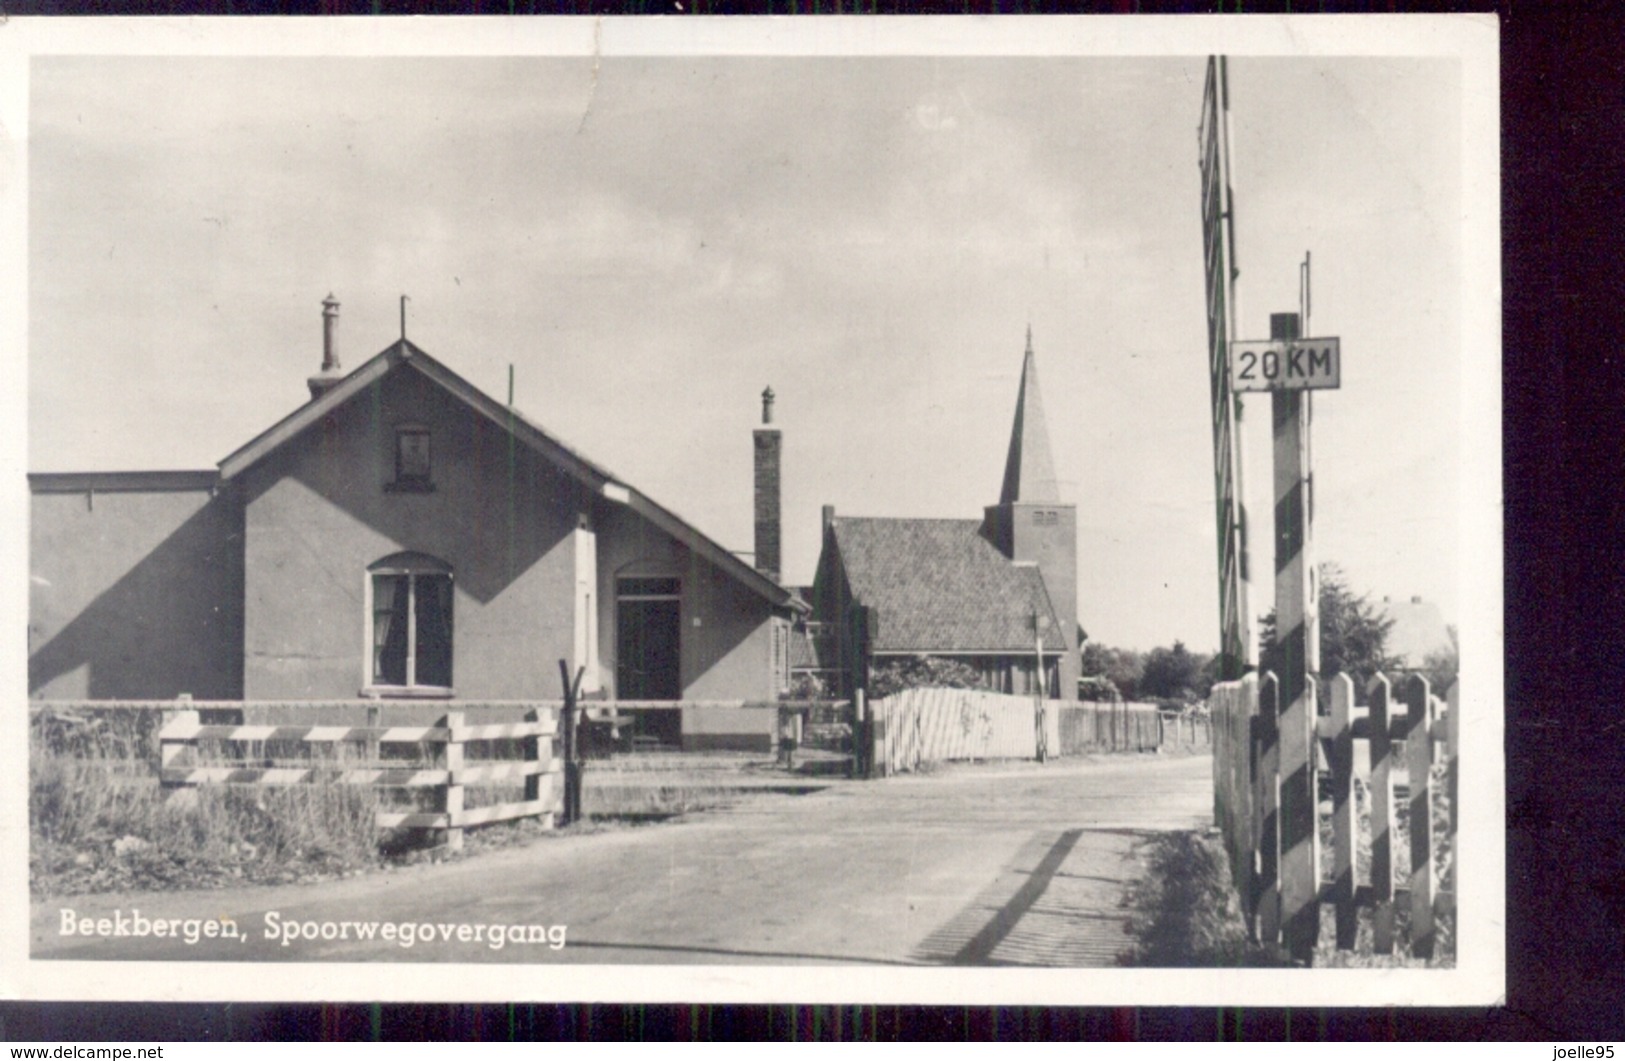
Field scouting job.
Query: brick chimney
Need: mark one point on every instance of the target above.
(331, 372)
(767, 491)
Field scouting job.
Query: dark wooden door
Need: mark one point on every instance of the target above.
(647, 643)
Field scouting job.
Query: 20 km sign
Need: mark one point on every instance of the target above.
(1282, 365)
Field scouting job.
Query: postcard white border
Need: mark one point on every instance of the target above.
(1479, 977)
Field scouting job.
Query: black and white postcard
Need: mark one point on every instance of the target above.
(952, 510)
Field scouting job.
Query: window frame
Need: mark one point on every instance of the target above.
(413, 567)
(403, 482)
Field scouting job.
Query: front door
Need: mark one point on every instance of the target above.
(646, 636)
(648, 643)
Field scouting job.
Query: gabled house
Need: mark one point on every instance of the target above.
(399, 535)
(997, 593)
(1418, 631)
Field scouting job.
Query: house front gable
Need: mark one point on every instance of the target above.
(546, 557)
(402, 469)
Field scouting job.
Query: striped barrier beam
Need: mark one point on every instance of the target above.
(282, 775)
(505, 731)
(182, 729)
(1297, 639)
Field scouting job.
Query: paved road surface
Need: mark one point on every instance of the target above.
(1019, 864)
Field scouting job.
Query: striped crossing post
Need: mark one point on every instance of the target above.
(1297, 633)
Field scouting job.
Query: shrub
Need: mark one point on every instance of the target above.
(917, 671)
(806, 687)
(1098, 688)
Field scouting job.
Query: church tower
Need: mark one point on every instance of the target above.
(1031, 524)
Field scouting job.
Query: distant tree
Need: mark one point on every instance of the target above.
(1353, 636)
(1210, 674)
(913, 672)
(1123, 667)
(1174, 674)
(1440, 666)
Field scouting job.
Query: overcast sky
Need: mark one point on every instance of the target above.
(651, 241)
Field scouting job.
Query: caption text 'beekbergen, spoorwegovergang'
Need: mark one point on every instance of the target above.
(288, 931)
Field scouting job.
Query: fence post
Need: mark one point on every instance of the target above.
(1381, 795)
(1452, 752)
(1344, 822)
(373, 748)
(572, 741)
(1419, 763)
(919, 734)
(1267, 778)
(1243, 762)
(532, 746)
(451, 799)
(172, 749)
(1216, 701)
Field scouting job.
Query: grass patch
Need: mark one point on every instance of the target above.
(1185, 912)
(99, 821)
(98, 826)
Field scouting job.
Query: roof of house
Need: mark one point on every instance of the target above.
(937, 585)
(1419, 630)
(404, 355)
(122, 482)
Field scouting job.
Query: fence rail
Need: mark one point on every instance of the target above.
(185, 738)
(1409, 732)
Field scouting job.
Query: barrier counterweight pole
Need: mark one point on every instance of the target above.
(1298, 643)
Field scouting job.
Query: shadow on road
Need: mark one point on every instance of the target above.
(1037, 913)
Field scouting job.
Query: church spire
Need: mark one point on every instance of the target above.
(1029, 471)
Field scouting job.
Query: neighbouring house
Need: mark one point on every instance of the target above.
(400, 535)
(997, 593)
(1418, 631)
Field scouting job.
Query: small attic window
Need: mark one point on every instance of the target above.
(412, 464)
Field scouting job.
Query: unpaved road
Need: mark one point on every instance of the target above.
(1019, 864)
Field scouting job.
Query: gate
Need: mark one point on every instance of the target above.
(1408, 730)
(819, 736)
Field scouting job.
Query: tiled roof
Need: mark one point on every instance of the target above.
(937, 585)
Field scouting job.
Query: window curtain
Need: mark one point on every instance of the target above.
(434, 629)
(389, 603)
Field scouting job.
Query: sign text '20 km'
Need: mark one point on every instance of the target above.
(1279, 365)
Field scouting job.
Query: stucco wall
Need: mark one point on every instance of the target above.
(728, 655)
(134, 594)
(318, 514)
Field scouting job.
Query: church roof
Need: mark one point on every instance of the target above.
(937, 585)
(1029, 470)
